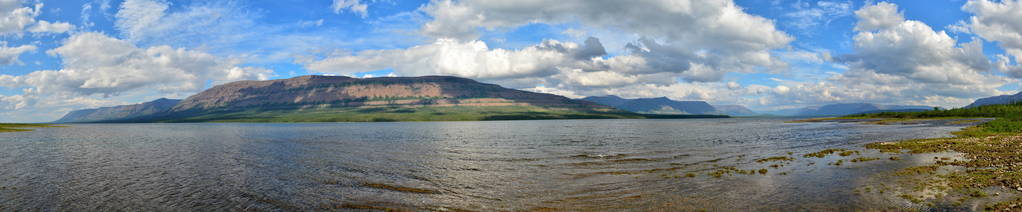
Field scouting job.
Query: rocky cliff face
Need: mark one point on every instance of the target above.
(119, 112)
(353, 92)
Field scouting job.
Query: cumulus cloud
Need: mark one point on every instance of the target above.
(95, 64)
(472, 59)
(898, 61)
(878, 16)
(695, 41)
(914, 50)
(353, 6)
(16, 18)
(9, 55)
(47, 27)
(999, 22)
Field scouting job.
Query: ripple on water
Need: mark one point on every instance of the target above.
(450, 166)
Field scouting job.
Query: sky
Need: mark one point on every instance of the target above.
(62, 55)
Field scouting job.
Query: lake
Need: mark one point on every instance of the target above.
(476, 166)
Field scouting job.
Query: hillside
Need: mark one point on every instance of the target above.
(734, 110)
(124, 112)
(661, 105)
(997, 100)
(846, 109)
(340, 99)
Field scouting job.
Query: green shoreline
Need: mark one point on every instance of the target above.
(11, 127)
(986, 175)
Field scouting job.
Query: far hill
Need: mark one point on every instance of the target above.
(847, 109)
(735, 110)
(124, 112)
(339, 99)
(661, 105)
(997, 100)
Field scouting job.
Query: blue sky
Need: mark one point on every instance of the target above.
(764, 54)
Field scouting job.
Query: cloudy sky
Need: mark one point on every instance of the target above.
(61, 55)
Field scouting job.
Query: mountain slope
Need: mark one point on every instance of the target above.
(338, 99)
(123, 112)
(335, 98)
(997, 100)
(846, 109)
(734, 110)
(661, 105)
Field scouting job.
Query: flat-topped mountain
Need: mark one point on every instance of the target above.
(661, 105)
(124, 112)
(337, 98)
(353, 92)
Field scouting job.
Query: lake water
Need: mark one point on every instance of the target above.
(477, 166)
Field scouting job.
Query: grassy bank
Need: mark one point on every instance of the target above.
(6, 127)
(991, 160)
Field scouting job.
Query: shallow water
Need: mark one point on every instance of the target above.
(481, 166)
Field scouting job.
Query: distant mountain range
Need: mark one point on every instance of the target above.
(735, 110)
(663, 105)
(846, 109)
(337, 98)
(997, 100)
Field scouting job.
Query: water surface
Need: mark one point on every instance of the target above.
(480, 166)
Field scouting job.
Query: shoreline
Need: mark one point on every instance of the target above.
(11, 127)
(982, 172)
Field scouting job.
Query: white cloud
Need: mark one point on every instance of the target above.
(47, 27)
(214, 25)
(716, 34)
(98, 65)
(899, 61)
(9, 55)
(914, 50)
(999, 22)
(450, 57)
(821, 14)
(14, 18)
(698, 41)
(878, 16)
(353, 6)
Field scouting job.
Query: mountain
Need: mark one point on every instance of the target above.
(734, 110)
(846, 109)
(123, 112)
(997, 100)
(661, 105)
(337, 98)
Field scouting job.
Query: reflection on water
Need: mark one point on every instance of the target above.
(483, 166)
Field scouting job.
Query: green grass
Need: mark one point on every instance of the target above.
(419, 113)
(8, 127)
(1008, 118)
(992, 152)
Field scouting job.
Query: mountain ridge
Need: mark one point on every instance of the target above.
(658, 105)
(316, 98)
(121, 112)
(996, 100)
(842, 109)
